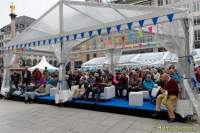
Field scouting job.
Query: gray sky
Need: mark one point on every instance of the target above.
(32, 8)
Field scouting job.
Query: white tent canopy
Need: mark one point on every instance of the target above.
(152, 59)
(41, 66)
(81, 17)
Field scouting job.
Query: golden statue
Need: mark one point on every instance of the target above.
(12, 7)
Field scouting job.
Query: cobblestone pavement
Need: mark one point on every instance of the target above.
(17, 117)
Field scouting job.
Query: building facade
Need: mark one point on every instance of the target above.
(25, 58)
(192, 5)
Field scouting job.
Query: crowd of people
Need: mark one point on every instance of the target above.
(91, 84)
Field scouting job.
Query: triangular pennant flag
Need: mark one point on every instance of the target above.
(29, 45)
(29, 49)
(21, 50)
(130, 25)
(117, 41)
(33, 44)
(108, 30)
(38, 43)
(44, 42)
(101, 39)
(82, 35)
(25, 45)
(94, 43)
(141, 22)
(131, 36)
(140, 45)
(131, 46)
(75, 36)
(114, 46)
(49, 41)
(140, 34)
(99, 32)
(67, 37)
(55, 40)
(61, 38)
(155, 20)
(14, 50)
(123, 38)
(170, 17)
(150, 29)
(90, 33)
(124, 45)
(21, 45)
(118, 27)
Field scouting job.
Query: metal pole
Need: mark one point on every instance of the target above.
(62, 64)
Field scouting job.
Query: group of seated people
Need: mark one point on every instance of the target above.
(92, 84)
(30, 85)
(132, 81)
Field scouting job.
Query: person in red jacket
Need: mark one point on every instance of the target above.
(168, 96)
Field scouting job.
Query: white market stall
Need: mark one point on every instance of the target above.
(42, 64)
(70, 21)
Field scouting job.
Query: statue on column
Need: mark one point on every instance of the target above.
(12, 8)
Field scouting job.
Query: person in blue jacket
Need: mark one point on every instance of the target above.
(174, 74)
(148, 84)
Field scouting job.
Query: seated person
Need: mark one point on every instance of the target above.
(97, 87)
(83, 85)
(52, 81)
(121, 85)
(168, 96)
(41, 82)
(148, 84)
(43, 90)
(135, 84)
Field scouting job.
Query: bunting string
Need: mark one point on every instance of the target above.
(110, 29)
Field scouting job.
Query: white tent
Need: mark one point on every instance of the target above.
(67, 21)
(41, 66)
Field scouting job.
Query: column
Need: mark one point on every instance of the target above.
(13, 29)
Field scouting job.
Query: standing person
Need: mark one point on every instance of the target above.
(45, 72)
(15, 78)
(168, 96)
(37, 76)
(26, 77)
(75, 78)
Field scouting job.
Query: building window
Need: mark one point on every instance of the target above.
(160, 2)
(196, 6)
(196, 20)
(88, 57)
(161, 50)
(94, 55)
(197, 35)
(77, 64)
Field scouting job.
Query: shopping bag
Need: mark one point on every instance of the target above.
(155, 91)
(63, 96)
(184, 108)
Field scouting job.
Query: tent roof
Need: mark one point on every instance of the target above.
(82, 17)
(96, 62)
(43, 63)
(157, 58)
